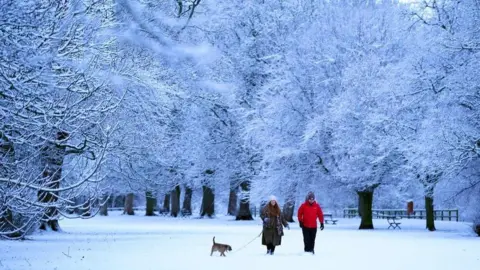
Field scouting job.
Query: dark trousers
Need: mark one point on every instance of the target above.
(309, 235)
(270, 248)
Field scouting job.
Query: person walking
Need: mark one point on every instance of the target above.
(308, 213)
(273, 223)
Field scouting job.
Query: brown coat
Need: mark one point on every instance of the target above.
(272, 227)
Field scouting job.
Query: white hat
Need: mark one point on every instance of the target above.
(272, 198)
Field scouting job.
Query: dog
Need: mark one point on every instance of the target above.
(220, 248)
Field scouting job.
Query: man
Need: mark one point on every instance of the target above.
(308, 213)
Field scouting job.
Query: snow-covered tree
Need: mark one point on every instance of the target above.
(54, 96)
(442, 100)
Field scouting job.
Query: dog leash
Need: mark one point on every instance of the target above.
(248, 243)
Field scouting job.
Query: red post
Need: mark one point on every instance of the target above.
(410, 207)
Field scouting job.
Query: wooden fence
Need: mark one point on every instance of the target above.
(440, 214)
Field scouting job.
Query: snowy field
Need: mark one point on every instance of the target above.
(161, 243)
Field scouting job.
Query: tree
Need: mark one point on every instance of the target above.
(368, 48)
(128, 207)
(454, 22)
(187, 202)
(52, 76)
(150, 204)
(208, 198)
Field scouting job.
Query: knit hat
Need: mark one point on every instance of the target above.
(310, 195)
(272, 198)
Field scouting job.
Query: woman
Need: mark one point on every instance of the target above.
(272, 225)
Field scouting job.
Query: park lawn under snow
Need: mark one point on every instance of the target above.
(163, 243)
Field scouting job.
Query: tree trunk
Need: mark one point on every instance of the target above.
(187, 202)
(7, 160)
(119, 201)
(6, 220)
(289, 206)
(477, 229)
(208, 202)
(262, 205)
(175, 201)
(104, 205)
(7, 156)
(288, 210)
(232, 199)
(52, 156)
(151, 203)
(7, 224)
(244, 212)
(366, 202)
(128, 207)
(7, 153)
(166, 204)
(430, 213)
(360, 206)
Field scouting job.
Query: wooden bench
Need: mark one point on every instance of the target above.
(395, 225)
(329, 218)
(392, 221)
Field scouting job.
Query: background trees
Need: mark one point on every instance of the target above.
(211, 107)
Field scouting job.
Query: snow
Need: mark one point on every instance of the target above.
(140, 242)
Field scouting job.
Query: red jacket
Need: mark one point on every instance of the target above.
(308, 214)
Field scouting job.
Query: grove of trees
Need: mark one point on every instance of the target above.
(205, 107)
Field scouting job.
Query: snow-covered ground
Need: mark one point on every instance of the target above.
(161, 243)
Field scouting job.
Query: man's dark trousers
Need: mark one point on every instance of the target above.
(309, 235)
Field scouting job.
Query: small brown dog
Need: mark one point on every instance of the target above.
(220, 248)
